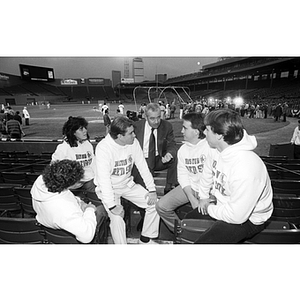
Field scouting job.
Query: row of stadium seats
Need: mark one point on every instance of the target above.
(29, 231)
(282, 228)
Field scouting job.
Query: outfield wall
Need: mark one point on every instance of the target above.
(35, 147)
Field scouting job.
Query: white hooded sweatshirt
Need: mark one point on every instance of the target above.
(113, 168)
(192, 162)
(63, 211)
(241, 185)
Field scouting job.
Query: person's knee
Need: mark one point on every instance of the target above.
(158, 206)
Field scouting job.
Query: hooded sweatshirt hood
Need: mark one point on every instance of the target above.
(40, 192)
(247, 143)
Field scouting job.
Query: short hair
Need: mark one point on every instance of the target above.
(197, 122)
(226, 122)
(119, 126)
(152, 107)
(69, 128)
(61, 174)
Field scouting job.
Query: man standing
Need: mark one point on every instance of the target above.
(26, 115)
(115, 156)
(296, 141)
(157, 141)
(195, 158)
(241, 200)
(121, 107)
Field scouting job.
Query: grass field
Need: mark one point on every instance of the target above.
(47, 123)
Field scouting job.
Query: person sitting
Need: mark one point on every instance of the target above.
(157, 141)
(76, 146)
(58, 208)
(241, 198)
(195, 159)
(115, 156)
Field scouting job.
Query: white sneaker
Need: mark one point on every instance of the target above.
(150, 242)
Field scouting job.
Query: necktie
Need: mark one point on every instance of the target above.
(151, 153)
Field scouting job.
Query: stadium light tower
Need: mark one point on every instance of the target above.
(199, 66)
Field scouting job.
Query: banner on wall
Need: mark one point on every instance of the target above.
(68, 82)
(99, 81)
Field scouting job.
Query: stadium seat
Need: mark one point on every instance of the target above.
(9, 203)
(38, 168)
(31, 177)
(25, 199)
(20, 231)
(14, 177)
(276, 232)
(286, 186)
(60, 236)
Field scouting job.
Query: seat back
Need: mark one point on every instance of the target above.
(25, 199)
(60, 236)
(8, 200)
(20, 231)
(286, 186)
(14, 177)
(286, 208)
(276, 232)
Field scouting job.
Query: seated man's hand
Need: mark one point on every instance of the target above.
(118, 210)
(152, 198)
(166, 158)
(90, 204)
(194, 201)
(203, 205)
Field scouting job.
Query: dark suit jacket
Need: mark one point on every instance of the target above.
(165, 137)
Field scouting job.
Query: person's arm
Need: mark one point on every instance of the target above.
(81, 223)
(60, 152)
(245, 190)
(103, 175)
(169, 141)
(207, 177)
(142, 166)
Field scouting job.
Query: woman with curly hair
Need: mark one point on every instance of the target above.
(58, 208)
(76, 146)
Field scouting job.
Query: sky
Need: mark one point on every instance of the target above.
(101, 67)
(193, 31)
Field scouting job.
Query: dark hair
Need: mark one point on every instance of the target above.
(70, 127)
(227, 123)
(119, 126)
(61, 174)
(197, 122)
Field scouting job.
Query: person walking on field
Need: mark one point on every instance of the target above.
(26, 116)
(296, 141)
(106, 121)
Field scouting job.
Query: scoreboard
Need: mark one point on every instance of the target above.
(36, 73)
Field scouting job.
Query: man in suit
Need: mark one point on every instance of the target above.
(162, 153)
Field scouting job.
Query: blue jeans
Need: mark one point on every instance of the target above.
(167, 205)
(225, 233)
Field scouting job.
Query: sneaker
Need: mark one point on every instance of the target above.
(150, 242)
